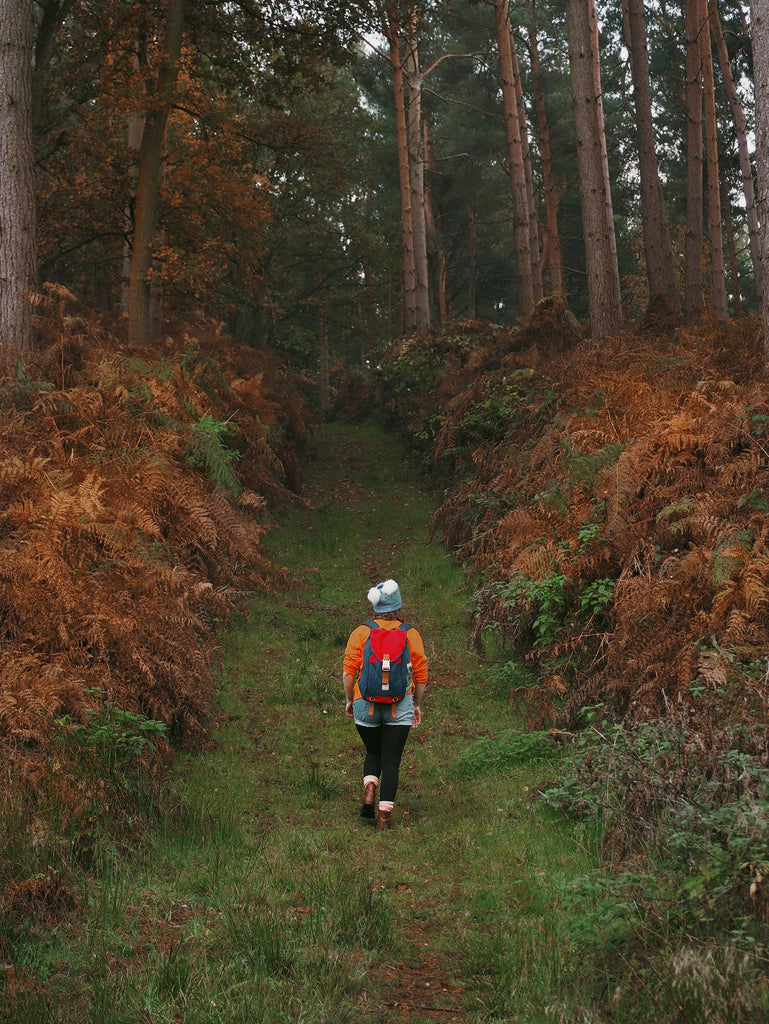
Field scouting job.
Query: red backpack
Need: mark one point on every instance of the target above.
(386, 673)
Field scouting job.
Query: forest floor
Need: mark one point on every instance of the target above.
(262, 896)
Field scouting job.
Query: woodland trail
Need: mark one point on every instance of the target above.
(354, 534)
(261, 896)
(462, 870)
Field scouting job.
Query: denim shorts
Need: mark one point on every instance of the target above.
(383, 713)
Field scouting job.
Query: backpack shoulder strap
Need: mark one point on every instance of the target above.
(405, 627)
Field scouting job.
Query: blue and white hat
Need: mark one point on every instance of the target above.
(385, 597)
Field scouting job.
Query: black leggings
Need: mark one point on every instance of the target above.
(384, 749)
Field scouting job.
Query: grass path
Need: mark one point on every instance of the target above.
(265, 897)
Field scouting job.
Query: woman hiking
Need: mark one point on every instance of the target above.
(384, 683)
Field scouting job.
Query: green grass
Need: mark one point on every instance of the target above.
(263, 896)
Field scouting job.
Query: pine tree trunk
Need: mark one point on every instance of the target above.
(715, 230)
(18, 220)
(435, 229)
(148, 184)
(407, 228)
(135, 130)
(741, 133)
(472, 265)
(51, 18)
(417, 173)
(522, 239)
(657, 248)
(534, 233)
(731, 248)
(552, 258)
(760, 38)
(694, 228)
(603, 288)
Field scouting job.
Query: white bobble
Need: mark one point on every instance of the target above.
(389, 587)
(374, 595)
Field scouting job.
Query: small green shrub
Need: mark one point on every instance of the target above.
(211, 448)
(505, 751)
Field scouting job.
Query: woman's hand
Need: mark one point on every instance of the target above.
(348, 709)
(417, 717)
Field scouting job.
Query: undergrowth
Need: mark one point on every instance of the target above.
(136, 489)
(611, 520)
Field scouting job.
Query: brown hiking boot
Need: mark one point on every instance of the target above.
(367, 807)
(384, 820)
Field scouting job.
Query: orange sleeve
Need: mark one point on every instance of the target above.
(418, 656)
(353, 652)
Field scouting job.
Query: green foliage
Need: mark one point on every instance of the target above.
(544, 602)
(117, 734)
(581, 468)
(682, 914)
(596, 597)
(211, 448)
(500, 753)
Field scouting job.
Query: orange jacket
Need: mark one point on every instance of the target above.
(353, 654)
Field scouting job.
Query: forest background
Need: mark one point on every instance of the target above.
(230, 217)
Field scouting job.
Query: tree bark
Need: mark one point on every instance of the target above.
(552, 257)
(694, 227)
(436, 246)
(718, 304)
(148, 183)
(416, 156)
(734, 270)
(51, 17)
(18, 216)
(657, 248)
(472, 264)
(760, 37)
(407, 228)
(603, 287)
(741, 133)
(521, 235)
(531, 199)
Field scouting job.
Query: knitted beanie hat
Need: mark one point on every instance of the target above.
(385, 597)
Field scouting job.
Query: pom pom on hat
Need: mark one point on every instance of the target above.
(385, 597)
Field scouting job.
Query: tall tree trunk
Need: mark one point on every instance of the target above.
(417, 171)
(715, 229)
(135, 131)
(51, 17)
(657, 248)
(472, 265)
(531, 199)
(148, 184)
(760, 37)
(741, 132)
(522, 239)
(435, 228)
(603, 288)
(552, 258)
(694, 227)
(734, 270)
(407, 228)
(18, 216)
(324, 359)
